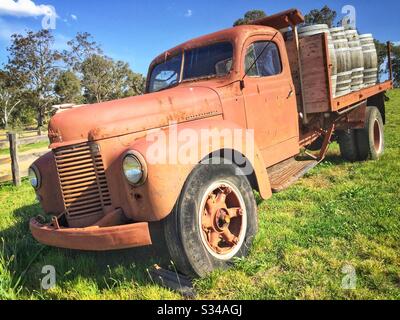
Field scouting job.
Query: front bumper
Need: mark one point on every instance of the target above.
(95, 238)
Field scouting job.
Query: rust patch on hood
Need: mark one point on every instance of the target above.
(133, 115)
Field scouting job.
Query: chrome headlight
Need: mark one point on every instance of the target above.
(134, 168)
(34, 177)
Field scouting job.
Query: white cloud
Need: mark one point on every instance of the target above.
(24, 8)
(74, 17)
(189, 13)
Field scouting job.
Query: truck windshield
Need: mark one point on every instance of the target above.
(210, 61)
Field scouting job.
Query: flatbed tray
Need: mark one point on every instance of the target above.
(314, 84)
(350, 99)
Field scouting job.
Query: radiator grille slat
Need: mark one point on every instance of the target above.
(83, 181)
(68, 175)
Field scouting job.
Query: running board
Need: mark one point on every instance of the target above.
(284, 174)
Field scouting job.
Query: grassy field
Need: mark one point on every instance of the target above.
(340, 215)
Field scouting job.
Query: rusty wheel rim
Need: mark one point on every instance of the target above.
(223, 220)
(378, 141)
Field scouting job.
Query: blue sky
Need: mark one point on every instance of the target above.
(137, 31)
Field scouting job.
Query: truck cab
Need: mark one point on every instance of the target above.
(225, 61)
(222, 115)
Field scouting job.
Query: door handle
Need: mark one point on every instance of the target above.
(291, 91)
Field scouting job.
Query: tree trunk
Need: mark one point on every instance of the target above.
(5, 116)
(40, 118)
(5, 120)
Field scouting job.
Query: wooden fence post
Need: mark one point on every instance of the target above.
(12, 138)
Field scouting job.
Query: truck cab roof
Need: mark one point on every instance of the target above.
(236, 35)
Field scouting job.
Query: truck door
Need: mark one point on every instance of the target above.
(270, 98)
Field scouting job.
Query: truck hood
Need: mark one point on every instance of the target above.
(132, 115)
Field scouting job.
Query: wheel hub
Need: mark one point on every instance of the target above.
(222, 220)
(377, 137)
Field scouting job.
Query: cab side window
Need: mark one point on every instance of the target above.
(268, 64)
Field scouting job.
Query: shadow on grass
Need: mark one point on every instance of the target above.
(334, 159)
(26, 258)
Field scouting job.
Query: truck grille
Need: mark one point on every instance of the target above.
(83, 180)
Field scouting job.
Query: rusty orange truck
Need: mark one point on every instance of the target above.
(105, 183)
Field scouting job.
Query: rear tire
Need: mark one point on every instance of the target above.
(189, 240)
(371, 139)
(348, 145)
(364, 144)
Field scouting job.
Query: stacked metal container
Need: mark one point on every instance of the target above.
(344, 63)
(370, 59)
(357, 60)
(353, 57)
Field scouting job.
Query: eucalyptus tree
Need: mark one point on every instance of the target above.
(34, 66)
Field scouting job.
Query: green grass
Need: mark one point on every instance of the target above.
(26, 147)
(340, 214)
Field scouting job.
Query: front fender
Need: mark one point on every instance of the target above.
(49, 193)
(169, 168)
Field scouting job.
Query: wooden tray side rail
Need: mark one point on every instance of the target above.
(340, 103)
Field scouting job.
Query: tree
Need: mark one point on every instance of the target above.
(33, 67)
(102, 78)
(41, 76)
(105, 79)
(97, 78)
(381, 51)
(137, 84)
(250, 16)
(324, 16)
(82, 47)
(8, 99)
(121, 74)
(383, 64)
(68, 88)
(396, 65)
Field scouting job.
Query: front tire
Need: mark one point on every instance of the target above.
(214, 221)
